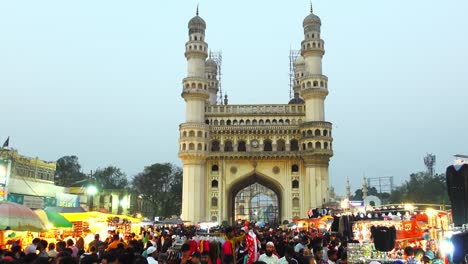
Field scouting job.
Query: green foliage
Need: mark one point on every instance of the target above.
(358, 194)
(110, 178)
(161, 186)
(422, 188)
(68, 172)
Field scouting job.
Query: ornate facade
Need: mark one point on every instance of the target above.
(258, 162)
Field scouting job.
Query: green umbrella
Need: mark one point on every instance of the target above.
(57, 219)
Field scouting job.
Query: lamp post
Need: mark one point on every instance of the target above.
(91, 190)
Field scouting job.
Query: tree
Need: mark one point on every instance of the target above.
(421, 188)
(358, 195)
(110, 178)
(68, 172)
(161, 186)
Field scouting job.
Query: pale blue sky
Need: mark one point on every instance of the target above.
(102, 79)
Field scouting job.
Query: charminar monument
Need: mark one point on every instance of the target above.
(266, 162)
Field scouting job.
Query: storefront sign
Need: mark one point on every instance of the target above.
(356, 203)
(33, 202)
(16, 198)
(68, 200)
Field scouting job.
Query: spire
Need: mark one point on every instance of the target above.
(364, 187)
(348, 189)
(197, 10)
(311, 8)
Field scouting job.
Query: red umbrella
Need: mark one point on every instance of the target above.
(18, 217)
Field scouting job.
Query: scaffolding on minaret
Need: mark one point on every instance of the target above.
(217, 56)
(293, 54)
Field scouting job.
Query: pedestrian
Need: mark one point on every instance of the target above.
(269, 257)
(52, 253)
(288, 256)
(151, 251)
(71, 245)
(33, 247)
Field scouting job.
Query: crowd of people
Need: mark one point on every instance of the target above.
(180, 245)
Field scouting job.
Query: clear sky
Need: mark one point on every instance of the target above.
(102, 79)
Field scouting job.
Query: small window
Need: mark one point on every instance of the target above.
(214, 202)
(295, 168)
(294, 145)
(295, 184)
(280, 145)
(214, 168)
(317, 132)
(318, 145)
(214, 218)
(267, 146)
(215, 146)
(241, 146)
(228, 146)
(214, 184)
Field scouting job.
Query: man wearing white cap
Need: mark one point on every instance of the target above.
(268, 257)
(151, 251)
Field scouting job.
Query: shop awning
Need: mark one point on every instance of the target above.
(53, 219)
(58, 220)
(84, 216)
(59, 209)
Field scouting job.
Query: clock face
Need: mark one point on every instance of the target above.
(254, 143)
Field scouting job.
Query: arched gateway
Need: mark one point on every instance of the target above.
(255, 198)
(261, 162)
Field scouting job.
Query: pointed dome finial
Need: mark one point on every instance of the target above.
(197, 10)
(311, 8)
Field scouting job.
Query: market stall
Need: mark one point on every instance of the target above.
(384, 235)
(17, 222)
(85, 223)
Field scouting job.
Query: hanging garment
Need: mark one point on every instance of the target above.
(457, 186)
(384, 237)
(252, 244)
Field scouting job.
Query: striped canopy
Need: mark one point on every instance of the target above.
(18, 217)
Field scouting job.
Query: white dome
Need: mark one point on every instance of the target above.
(299, 60)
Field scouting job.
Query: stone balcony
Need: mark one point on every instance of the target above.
(255, 110)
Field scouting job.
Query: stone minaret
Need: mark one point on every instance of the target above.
(193, 142)
(348, 189)
(211, 69)
(316, 132)
(364, 188)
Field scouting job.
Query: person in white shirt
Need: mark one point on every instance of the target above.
(301, 245)
(33, 247)
(332, 256)
(268, 257)
(151, 251)
(288, 256)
